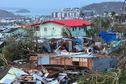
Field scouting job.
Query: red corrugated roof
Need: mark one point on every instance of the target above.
(69, 22)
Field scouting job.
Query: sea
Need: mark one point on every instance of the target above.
(31, 14)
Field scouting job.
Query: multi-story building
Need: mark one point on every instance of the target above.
(67, 13)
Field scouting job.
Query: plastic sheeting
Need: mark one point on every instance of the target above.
(108, 36)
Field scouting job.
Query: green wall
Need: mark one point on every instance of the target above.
(52, 30)
(49, 30)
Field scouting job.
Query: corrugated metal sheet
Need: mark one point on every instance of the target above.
(43, 60)
(11, 75)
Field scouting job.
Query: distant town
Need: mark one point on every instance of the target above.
(79, 45)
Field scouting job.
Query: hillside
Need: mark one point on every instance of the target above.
(23, 11)
(100, 8)
(4, 13)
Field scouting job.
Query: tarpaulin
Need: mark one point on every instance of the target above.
(108, 36)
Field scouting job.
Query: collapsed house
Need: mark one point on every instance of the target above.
(80, 52)
(85, 61)
(62, 57)
(31, 76)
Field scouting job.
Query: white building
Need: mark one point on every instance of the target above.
(67, 13)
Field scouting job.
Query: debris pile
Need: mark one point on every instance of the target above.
(34, 76)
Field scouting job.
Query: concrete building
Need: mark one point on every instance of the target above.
(59, 28)
(67, 13)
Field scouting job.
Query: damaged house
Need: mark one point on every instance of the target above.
(61, 28)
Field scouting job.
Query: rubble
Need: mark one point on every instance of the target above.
(18, 76)
(61, 57)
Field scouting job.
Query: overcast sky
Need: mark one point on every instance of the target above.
(47, 5)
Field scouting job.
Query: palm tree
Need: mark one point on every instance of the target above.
(66, 32)
(102, 23)
(112, 17)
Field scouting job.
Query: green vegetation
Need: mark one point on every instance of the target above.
(17, 48)
(102, 24)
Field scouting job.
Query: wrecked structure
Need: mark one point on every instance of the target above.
(31, 76)
(59, 56)
(78, 52)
